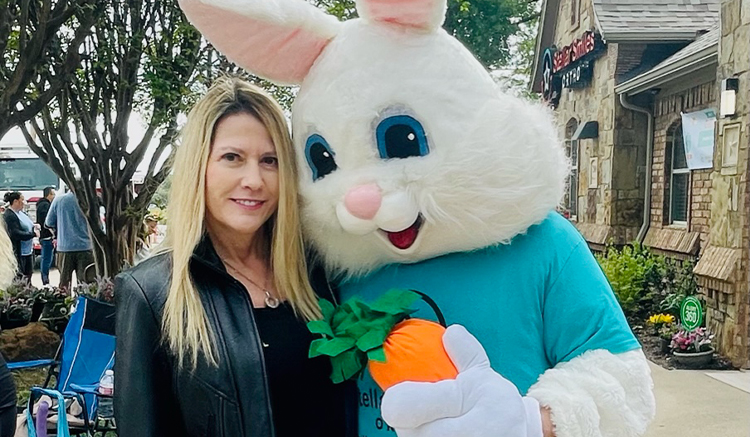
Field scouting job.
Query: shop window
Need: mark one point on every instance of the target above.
(571, 149)
(678, 188)
(575, 13)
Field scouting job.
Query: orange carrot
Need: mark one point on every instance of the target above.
(381, 335)
(413, 352)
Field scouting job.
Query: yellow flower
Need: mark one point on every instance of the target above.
(660, 319)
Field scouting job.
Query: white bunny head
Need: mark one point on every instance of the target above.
(407, 149)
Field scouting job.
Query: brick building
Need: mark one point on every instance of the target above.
(629, 81)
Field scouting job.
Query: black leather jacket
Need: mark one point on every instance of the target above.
(159, 399)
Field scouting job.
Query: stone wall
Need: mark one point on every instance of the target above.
(728, 300)
(610, 195)
(592, 103)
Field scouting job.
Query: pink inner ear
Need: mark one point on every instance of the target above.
(269, 50)
(416, 13)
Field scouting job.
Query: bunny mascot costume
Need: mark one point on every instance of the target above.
(417, 172)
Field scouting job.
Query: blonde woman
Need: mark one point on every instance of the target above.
(211, 336)
(7, 386)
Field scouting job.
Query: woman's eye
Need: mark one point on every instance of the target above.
(270, 160)
(231, 157)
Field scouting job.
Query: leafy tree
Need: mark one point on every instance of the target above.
(143, 57)
(39, 42)
(482, 25)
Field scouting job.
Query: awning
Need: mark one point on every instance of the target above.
(587, 130)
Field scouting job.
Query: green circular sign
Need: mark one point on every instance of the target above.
(691, 314)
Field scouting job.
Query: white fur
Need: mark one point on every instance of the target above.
(495, 166)
(285, 13)
(599, 394)
(435, 19)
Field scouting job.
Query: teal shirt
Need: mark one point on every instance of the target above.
(536, 302)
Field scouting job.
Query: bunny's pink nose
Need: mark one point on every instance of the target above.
(363, 201)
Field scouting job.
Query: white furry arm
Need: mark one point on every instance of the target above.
(598, 394)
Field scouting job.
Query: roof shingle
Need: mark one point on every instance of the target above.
(621, 19)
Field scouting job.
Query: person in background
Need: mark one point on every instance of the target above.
(74, 249)
(45, 234)
(22, 231)
(7, 386)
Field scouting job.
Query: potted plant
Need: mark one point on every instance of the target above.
(657, 321)
(56, 302)
(692, 349)
(103, 289)
(666, 332)
(16, 303)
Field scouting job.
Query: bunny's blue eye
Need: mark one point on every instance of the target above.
(319, 156)
(401, 136)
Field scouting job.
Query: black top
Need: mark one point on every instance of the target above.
(7, 386)
(42, 209)
(303, 398)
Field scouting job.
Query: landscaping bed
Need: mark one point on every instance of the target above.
(652, 348)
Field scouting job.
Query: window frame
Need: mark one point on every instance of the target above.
(572, 204)
(672, 138)
(575, 14)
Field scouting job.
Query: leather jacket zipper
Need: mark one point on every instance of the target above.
(259, 346)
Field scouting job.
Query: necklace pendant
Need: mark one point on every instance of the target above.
(271, 301)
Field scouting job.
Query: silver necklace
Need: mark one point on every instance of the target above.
(269, 300)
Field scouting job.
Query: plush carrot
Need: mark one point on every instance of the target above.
(381, 334)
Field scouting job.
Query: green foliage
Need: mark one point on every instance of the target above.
(484, 26)
(646, 283)
(355, 331)
(628, 271)
(678, 283)
(161, 196)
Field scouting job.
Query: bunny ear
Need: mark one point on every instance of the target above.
(275, 39)
(420, 14)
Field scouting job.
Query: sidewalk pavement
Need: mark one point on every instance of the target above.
(695, 403)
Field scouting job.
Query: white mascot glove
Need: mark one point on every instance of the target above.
(478, 403)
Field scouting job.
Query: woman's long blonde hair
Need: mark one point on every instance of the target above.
(185, 326)
(7, 258)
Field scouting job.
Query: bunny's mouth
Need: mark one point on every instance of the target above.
(405, 238)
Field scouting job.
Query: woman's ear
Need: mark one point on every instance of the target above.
(278, 40)
(427, 15)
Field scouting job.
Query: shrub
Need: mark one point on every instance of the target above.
(646, 283)
(630, 272)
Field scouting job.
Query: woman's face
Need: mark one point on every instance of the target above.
(18, 204)
(242, 177)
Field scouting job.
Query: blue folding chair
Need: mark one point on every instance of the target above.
(86, 352)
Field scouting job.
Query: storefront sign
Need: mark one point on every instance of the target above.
(570, 67)
(698, 135)
(589, 43)
(578, 76)
(551, 84)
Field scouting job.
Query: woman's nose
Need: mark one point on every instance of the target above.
(363, 201)
(252, 178)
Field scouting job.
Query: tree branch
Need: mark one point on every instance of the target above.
(531, 17)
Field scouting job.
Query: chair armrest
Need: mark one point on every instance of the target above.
(30, 364)
(90, 389)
